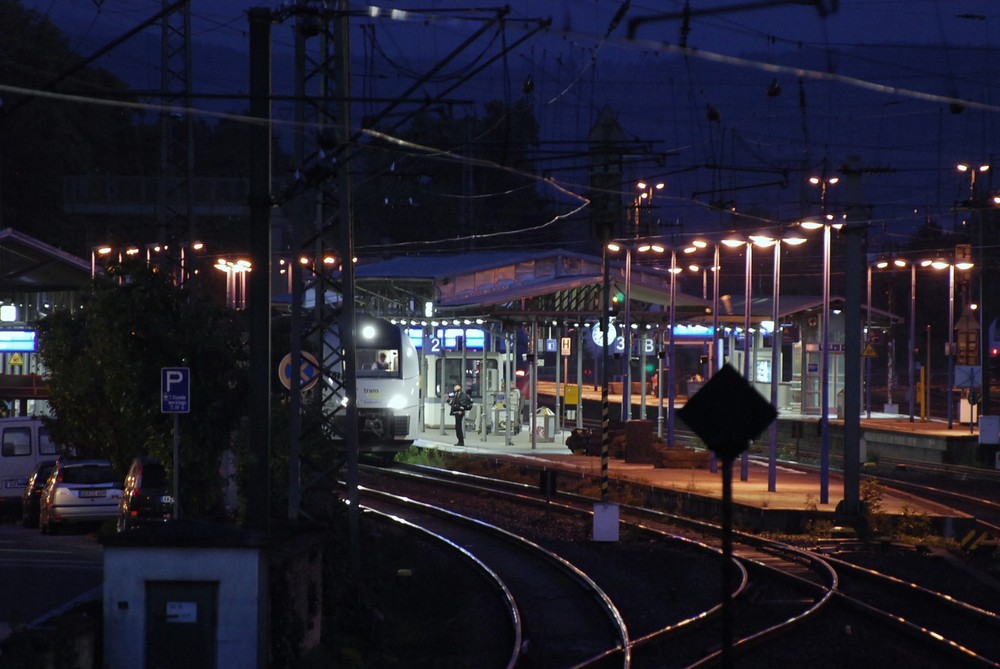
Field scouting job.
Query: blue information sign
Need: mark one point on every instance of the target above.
(175, 390)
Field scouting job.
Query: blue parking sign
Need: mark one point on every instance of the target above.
(175, 390)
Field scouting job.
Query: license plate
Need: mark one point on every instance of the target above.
(94, 493)
(166, 499)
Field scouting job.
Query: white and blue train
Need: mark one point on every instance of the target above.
(388, 382)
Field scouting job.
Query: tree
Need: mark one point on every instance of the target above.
(103, 364)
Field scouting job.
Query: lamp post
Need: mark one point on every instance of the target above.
(898, 263)
(236, 281)
(824, 456)
(950, 351)
(715, 363)
(910, 360)
(791, 239)
(95, 253)
(911, 374)
(882, 264)
(105, 251)
(646, 190)
(978, 205)
(642, 247)
(972, 170)
(671, 348)
(627, 341)
(736, 241)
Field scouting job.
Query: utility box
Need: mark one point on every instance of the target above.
(989, 430)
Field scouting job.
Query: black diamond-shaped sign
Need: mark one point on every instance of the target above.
(727, 413)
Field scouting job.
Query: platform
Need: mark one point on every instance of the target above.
(796, 497)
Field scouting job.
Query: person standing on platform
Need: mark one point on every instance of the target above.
(460, 403)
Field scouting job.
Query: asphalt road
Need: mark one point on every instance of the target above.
(44, 574)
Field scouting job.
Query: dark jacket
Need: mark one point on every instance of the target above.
(461, 402)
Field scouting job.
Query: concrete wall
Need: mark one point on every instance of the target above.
(241, 577)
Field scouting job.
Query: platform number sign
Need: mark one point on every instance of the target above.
(175, 390)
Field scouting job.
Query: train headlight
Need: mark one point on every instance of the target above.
(397, 402)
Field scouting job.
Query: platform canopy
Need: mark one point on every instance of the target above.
(30, 265)
(552, 284)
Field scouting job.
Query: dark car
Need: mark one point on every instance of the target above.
(33, 492)
(146, 495)
(78, 492)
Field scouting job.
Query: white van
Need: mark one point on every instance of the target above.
(23, 442)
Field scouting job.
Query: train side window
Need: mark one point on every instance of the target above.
(16, 442)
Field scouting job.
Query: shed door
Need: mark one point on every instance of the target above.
(181, 619)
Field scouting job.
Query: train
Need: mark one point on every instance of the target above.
(388, 387)
(405, 377)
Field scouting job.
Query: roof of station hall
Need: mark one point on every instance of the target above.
(483, 278)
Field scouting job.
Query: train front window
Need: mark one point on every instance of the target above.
(379, 362)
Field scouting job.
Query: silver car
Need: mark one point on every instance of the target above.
(79, 491)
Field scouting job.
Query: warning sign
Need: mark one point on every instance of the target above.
(15, 360)
(869, 352)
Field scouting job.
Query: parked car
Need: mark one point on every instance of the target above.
(146, 495)
(33, 492)
(24, 442)
(78, 491)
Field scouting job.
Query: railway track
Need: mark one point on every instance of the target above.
(545, 597)
(664, 578)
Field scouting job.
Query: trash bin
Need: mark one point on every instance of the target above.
(500, 417)
(545, 425)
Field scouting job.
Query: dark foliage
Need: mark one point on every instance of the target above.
(104, 362)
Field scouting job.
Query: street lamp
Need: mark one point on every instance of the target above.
(716, 356)
(98, 252)
(163, 257)
(646, 190)
(236, 281)
(641, 247)
(792, 239)
(704, 269)
(672, 347)
(972, 170)
(735, 241)
(911, 374)
(940, 264)
(106, 251)
(824, 458)
(977, 206)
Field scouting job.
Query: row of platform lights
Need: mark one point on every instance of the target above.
(234, 266)
(764, 240)
(961, 264)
